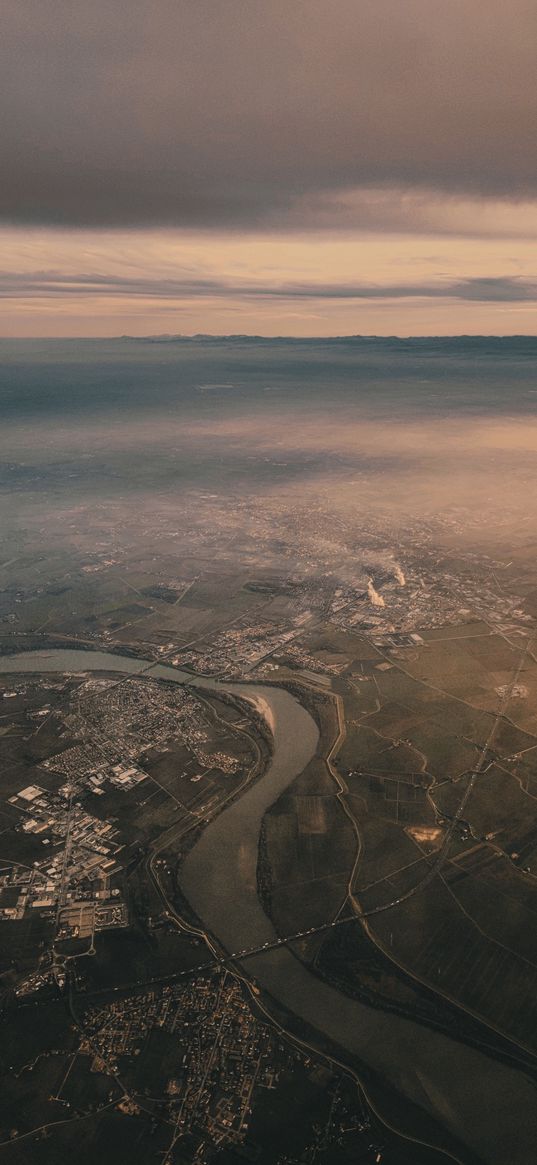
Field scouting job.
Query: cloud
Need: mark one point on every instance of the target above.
(253, 114)
(14, 285)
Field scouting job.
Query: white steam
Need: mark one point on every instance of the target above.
(374, 596)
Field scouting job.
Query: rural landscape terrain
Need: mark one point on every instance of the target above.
(268, 744)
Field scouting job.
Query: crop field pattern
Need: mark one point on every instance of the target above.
(447, 894)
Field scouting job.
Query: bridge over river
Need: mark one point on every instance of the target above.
(486, 1105)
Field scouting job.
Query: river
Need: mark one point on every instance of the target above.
(486, 1105)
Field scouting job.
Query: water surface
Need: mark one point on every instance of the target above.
(478, 1099)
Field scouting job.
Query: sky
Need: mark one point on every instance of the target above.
(275, 167)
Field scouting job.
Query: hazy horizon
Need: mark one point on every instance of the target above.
(423, 424)
(172, 336)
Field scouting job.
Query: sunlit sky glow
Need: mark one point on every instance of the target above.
(305, 169)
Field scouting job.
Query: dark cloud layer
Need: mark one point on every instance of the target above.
(54, 284)
(238, 112)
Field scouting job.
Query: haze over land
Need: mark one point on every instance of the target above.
(350, 520)
(412, 428)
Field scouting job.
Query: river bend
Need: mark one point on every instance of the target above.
(479, 1100)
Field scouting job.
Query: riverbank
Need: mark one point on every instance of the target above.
(487, 1106)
